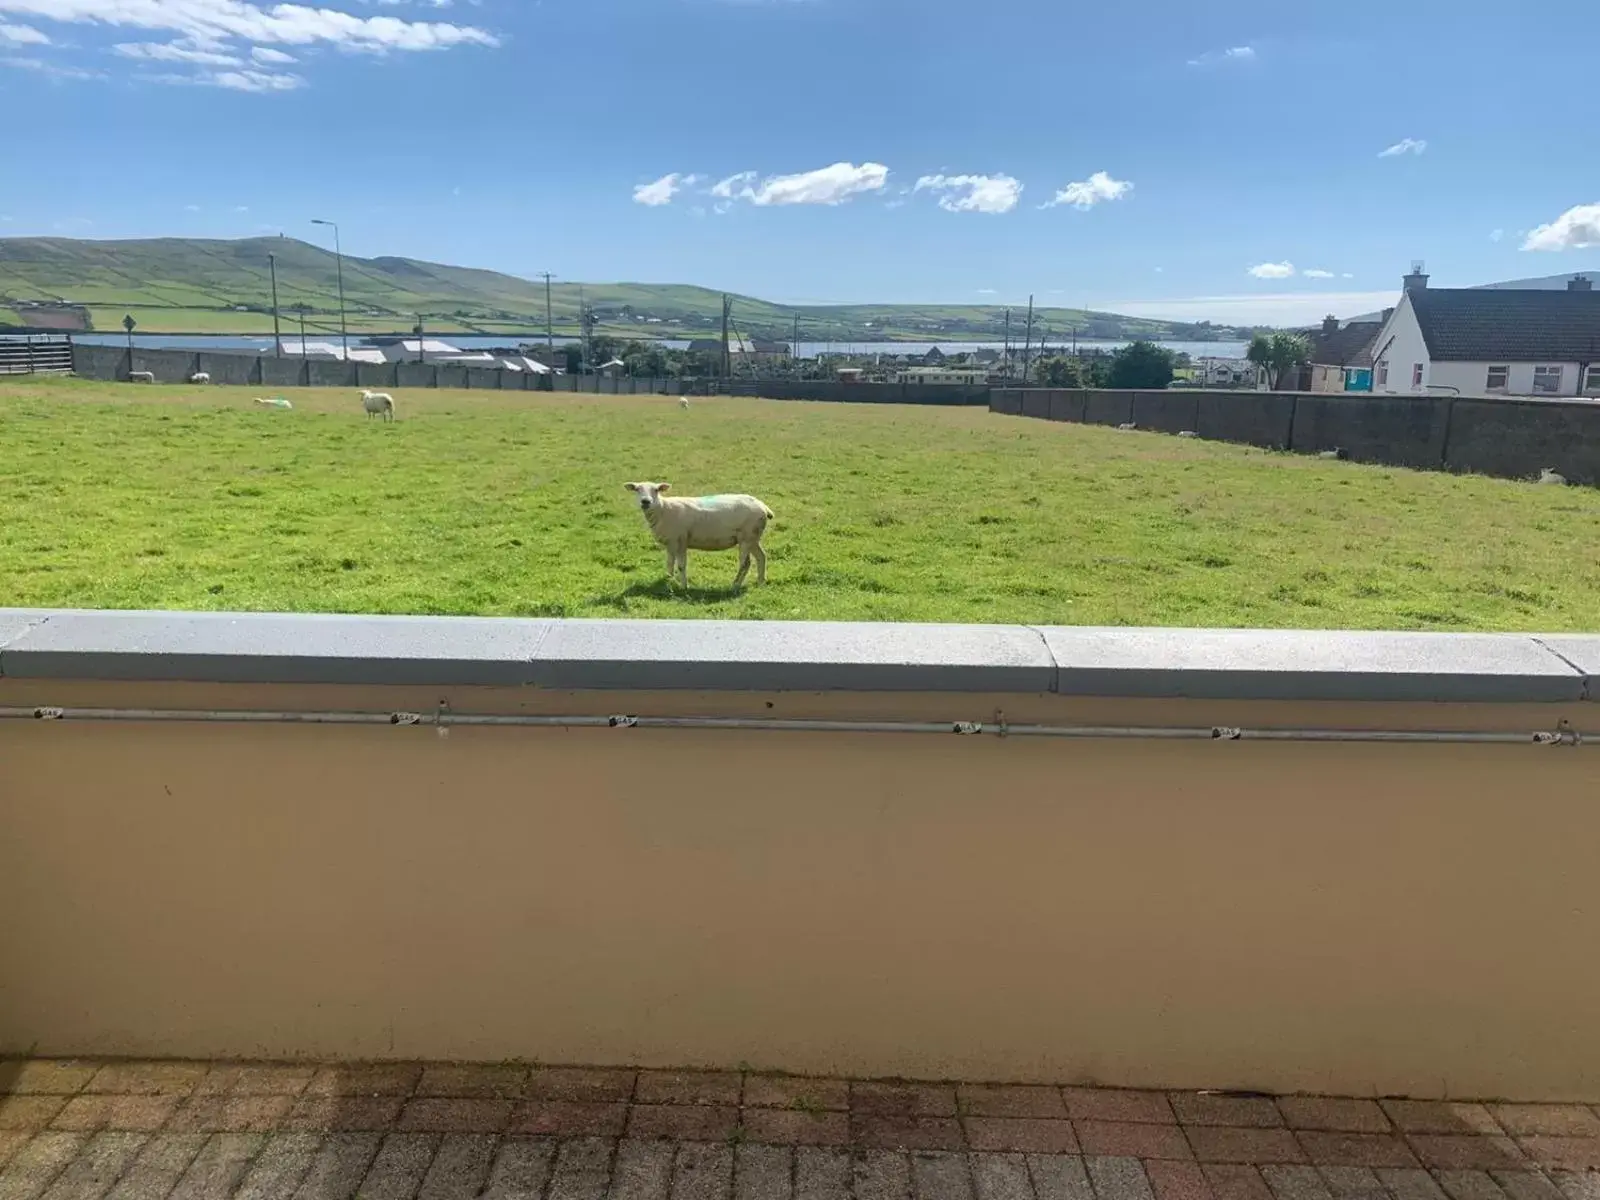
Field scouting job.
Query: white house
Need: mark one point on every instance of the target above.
(1490, 341)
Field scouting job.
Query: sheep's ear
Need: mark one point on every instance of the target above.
(663, 487)
(632, 487)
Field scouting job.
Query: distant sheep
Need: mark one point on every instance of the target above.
(200, 377)
(682, 524)
(1552, 476)
(683, 402)
(141, 377)
(1187, 433)
(1127, 427)
(1338, 452)
(378, 404)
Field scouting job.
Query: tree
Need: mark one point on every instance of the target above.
(1277, 353)
(1141, 365)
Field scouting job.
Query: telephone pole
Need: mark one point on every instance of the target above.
(1027, 345)
(549, 325)
(277, 336)
(727, 356)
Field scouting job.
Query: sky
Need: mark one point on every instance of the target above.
(1240, 161)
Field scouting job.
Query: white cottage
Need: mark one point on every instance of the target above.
(1490, 341)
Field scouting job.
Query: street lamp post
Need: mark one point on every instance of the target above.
(338, 260)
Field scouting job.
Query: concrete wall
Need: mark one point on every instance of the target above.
(1166, 411)
(234, 370)
(416, 375)
(1519, 438)
(99, 362)
(1407, 431)
(1263, 419)
(1507, 437)
(376, 375)
(330, 372)
(1289, 915)
(484, 378)
(283, 372)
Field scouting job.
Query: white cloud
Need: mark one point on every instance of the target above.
(827, 185)
(271, 57)
(1085, 194)
(191, 208)
(22, 35)
(986, 292)
(1496, 235)
(973, 193)
(1272, 270)
(1233, 54)
(1576, 229)
(654, 195)
(1404, 146)
(1347, 275)
(180, 51)
(246, 79)
(733, 186)
(1315, 273)
(278, 24)
(49, 69)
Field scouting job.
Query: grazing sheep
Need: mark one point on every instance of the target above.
(682, 524)
(1187, 433)
(200, 377)
(683, 402)
(141, 377)
(378, 404)
(1551, 475)
(1338, 452)
(1127, 426)
(273, 402)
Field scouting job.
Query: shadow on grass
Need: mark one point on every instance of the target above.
(663, 589)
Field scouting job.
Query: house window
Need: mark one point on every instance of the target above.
(1547, 381)
(1383, 374)
(1416, 375)
(1592, 384)
(1499, 379)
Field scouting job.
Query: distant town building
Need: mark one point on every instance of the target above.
(1341, 356)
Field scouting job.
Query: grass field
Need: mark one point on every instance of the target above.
(119, 496)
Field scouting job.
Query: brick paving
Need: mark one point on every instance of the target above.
(79, 1130)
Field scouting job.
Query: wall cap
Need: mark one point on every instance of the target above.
(1238, 664)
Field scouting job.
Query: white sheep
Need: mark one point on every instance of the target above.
(683, 402)
(1187, 433)
(200, 377)
(682, 524)
(1553, 476)
(141, 377)
(378, 404)
(1127, 427)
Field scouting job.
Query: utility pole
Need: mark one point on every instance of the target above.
(1006, 354)
(303, 354)
(422, 349)
(794, 345)
(727, 356)
(338, 260)
(549, 324)
(277, 336)
(1027, 345)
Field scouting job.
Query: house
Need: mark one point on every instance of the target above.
(414, 349)
(1491, 341)
(1341, 356)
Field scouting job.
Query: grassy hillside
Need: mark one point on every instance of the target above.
(192, 285)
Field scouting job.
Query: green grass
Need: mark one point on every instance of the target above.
(122, 496)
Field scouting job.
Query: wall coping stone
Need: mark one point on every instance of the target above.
(1238, 664)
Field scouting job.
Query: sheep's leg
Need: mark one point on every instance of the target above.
(744, 566)
(672, 565)
(761, 562)
(683, 567)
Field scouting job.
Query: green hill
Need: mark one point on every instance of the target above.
(194, 285)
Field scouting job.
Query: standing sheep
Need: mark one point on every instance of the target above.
(200, 377)
(682, 524)
(378, 404)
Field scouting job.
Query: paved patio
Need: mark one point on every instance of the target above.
(74, 1130)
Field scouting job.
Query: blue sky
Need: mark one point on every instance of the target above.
(1152, 156)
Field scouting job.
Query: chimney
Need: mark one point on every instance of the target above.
(1387, 313)
(1417, 281)
(1580, 283)
(1330, 324)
